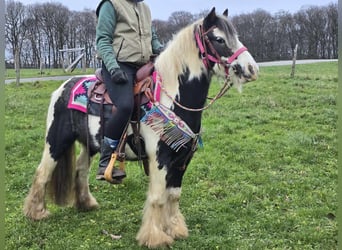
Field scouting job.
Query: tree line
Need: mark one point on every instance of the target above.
(36, 33)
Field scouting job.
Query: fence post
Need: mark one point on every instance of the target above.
(294, 61)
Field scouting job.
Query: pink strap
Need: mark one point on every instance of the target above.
(201, 48)
(199, 43)
(236, 54)
(157, 80)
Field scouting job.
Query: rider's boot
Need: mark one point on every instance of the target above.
(108, 147)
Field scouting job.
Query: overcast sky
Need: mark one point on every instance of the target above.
(162, 9)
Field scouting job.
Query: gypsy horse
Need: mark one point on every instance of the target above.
(170, 129)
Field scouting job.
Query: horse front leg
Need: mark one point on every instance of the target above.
(175, 226)
(152, 232)
(84, 199)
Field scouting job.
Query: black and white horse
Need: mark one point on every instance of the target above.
(183, 73)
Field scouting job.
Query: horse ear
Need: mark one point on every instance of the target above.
(225, 13)
(211, 17)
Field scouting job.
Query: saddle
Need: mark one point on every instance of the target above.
(143, 86)
(143, 93)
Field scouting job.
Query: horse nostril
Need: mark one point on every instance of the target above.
(251, 69)
(253, 72)
(237, 69)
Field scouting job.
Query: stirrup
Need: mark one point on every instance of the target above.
(109, 169)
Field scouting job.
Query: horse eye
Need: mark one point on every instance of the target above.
(220, 40)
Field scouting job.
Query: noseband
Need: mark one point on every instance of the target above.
(204, 44)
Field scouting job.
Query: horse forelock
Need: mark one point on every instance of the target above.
(225, 26)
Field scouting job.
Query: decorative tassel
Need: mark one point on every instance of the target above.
(171, 129)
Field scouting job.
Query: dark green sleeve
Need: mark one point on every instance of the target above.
(157, 47)
(106, 23)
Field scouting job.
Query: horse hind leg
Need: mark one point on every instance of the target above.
(55, 173)
(84, 199)
(34, 205)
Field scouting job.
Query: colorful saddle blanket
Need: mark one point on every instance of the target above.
(79, 94)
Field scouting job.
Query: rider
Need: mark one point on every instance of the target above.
(125, 41)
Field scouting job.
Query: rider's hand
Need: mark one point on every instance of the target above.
(118, 76)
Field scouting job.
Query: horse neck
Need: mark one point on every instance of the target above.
(193, 94)
(184, 77)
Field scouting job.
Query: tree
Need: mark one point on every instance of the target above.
(256, 31)
(332, 30)
(15, 30)
(53, 20)
(35, 33)
(82, 33)
(178, 20)
(162, 29)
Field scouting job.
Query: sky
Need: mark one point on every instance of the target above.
(162, 9)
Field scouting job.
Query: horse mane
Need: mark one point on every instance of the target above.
(180, 55)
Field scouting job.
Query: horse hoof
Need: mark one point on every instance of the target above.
(87, 204)
(37, 215)
(178, 231)
(156, 240)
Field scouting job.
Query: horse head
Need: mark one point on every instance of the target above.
(222, 52)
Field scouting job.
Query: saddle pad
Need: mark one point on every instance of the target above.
(78, 97)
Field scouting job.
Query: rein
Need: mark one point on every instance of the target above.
(159, 86)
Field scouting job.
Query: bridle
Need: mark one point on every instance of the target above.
(204, 45)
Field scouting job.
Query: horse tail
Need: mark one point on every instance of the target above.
(61, 187)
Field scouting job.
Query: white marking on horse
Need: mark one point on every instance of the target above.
(93, 123)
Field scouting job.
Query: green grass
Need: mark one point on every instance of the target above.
(265, 179)
(29, 73)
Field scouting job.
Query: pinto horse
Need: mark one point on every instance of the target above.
(207, 47)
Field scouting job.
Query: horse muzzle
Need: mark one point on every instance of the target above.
(249, 72)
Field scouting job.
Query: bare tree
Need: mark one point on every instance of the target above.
(82, 33)
(178, 20)
(61, 19)
(313, 24)
(286, 35)
(332, 30)
(15, 30)
(53, 19)
(36, 33)
(256, 31)
(162, 29)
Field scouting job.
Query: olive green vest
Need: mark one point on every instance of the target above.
(133, 33)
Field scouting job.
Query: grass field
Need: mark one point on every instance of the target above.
(27, 73)
(265, 179)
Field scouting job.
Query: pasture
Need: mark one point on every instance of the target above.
(27, 73)
(266, 177)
